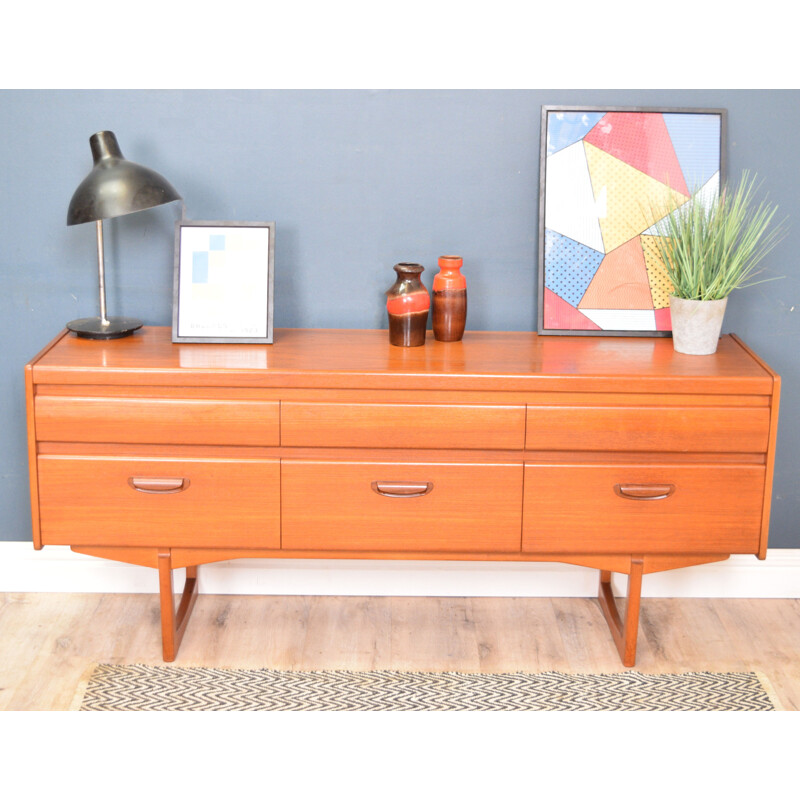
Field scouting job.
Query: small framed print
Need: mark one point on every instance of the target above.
(223, 282)
(604, 175)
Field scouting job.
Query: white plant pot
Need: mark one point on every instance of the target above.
(696, 324)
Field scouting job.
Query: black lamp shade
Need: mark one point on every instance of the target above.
(116, 186)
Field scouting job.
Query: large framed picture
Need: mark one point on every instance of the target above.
(223, 282)
(606, 175)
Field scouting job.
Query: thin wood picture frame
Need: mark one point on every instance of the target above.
(223, 282)
(602, 169)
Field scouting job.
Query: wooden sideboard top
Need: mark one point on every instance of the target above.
(507, 361)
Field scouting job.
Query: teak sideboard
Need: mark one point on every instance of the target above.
(613, 453)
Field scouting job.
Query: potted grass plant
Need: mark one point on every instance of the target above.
(710, 246)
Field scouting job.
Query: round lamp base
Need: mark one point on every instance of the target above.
(113, 328)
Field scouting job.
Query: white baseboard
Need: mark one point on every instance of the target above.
(58, 569)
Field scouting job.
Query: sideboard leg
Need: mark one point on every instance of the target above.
(624, 633)
(173, 625)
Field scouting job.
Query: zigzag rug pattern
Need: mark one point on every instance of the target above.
(141, 687)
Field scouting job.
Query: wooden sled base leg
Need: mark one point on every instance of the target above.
(624, 633)
(173, 625)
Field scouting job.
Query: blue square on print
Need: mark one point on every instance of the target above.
(216, 241)
(200, 266)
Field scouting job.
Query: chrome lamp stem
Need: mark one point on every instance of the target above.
(101, 270)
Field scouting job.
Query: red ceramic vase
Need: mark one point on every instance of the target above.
(449, 300)
(408, 303)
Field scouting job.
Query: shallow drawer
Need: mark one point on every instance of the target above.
(402, 425)
(401, 507)
(666, 429)
(637, 509)
(148, 420)
(159, 502)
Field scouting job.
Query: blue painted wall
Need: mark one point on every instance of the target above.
(355, 181)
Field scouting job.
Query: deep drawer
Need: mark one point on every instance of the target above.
(670, 429)
(159, 502)
(401, 507)
(402, 425)
(149, 420)
(633, 508)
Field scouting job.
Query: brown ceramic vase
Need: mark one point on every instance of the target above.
(449, 300)
(408, 303)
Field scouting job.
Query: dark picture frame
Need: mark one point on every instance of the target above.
(602, 171)
(223, 282)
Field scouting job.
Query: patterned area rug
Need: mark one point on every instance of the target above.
(139, 687)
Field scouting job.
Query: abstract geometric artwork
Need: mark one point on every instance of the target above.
(223, 281)
(603, 171)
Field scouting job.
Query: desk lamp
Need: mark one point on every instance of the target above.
(114, 187)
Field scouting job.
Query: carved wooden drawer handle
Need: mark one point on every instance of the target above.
(159, 485)
(388, 489)
(644, 491)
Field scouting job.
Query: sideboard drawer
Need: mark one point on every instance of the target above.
(159, 502)
(401, 507)
(699, 429)
(643, 509)
(155, 420)
(402, 425)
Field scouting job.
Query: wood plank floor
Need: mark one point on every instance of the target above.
(48, 641)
